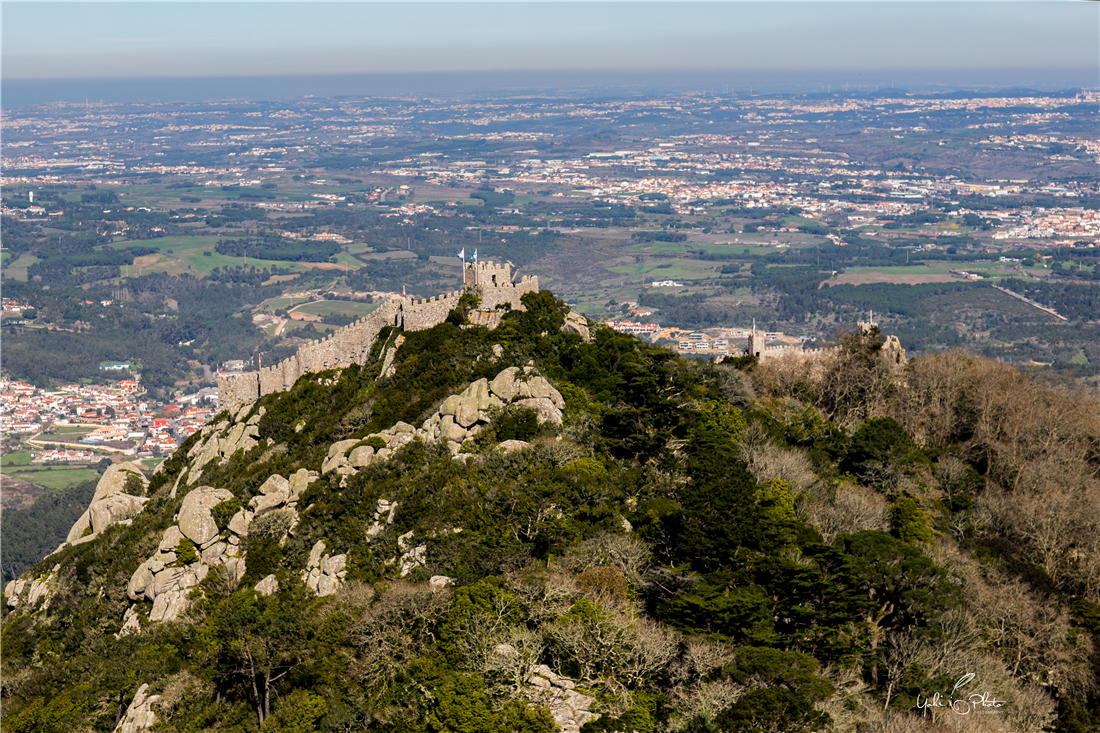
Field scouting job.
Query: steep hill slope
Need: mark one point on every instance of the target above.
(516, 530)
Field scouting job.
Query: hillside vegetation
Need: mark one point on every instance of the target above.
(696, 547)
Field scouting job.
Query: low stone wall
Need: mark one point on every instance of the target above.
(420, 315)
(509, 293)
(351, 344)
(346, 346)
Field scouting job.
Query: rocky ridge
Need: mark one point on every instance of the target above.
(111, 504)
(209, 529)
(167, 577)
(570, 708)
(195, 543)
(459, 418)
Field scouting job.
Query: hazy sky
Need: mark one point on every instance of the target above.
(46, 40)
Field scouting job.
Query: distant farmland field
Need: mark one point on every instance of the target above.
(343, 307)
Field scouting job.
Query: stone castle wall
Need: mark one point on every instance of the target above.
(419, 315)
(351, 344)
(343, 347)
(891, 349)
(493, 284)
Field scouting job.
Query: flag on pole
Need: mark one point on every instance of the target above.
(474, 257)
(462, 254)
(402, 291)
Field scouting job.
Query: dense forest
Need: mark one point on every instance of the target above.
(853, 546)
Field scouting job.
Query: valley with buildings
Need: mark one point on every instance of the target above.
(186, 240)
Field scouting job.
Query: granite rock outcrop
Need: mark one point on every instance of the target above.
(570, 708)
(139, 715)
(111, 503)
(459, 418)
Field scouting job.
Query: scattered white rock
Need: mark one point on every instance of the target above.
(139, 715)
(570, 708)
(268, 585)
(166, 582)
(110, 503)
(324, 573)
(361, 456)
(195, 520)
(131, 623)
(300, 481)
(459, 418)
(578, 324)
(442, 581)
(29, 594)
(544, 408)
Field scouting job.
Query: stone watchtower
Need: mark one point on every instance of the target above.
(493, 284)
(481, 275)
(892, 349)
(756, 342)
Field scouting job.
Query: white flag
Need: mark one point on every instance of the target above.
(462, 254)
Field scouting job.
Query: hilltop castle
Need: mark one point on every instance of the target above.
(494, 284)
(891, 348)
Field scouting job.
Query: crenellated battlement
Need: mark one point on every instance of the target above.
(492, 283)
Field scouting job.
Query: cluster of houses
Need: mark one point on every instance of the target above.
(120, 420)
(13, 307)
(64, 456)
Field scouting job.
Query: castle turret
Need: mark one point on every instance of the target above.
(756, 341)
(480, 275)
(492, 283)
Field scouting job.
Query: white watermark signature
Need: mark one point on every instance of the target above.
(961, 704)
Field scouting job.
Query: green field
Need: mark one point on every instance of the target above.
(178, 245)
(328, 307)
(344, 258)
(321, 328)
(16, 458)
(17, 270)
(279, 303)
(187, 256)
(680, 270)
(52, 477)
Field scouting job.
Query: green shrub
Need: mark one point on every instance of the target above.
(186, 553)
(134, 486)
(517, 423)
(910, 523)
(224, 511)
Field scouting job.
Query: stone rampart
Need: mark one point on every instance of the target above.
(351, 344)
(348, 345)
(509, 293)
(420, 315)
(493, 284)
(891, 349)
(238, 389)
